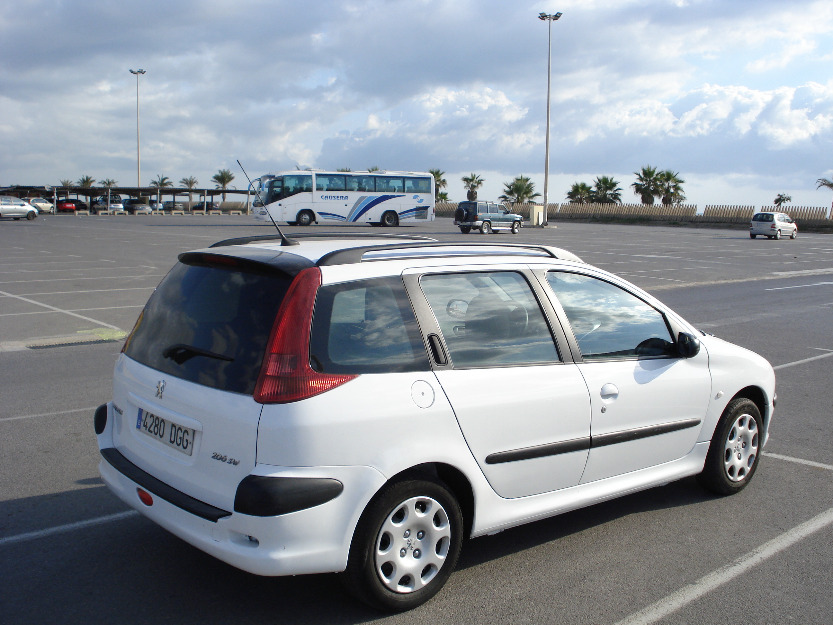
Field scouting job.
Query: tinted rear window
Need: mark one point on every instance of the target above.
(209, 324)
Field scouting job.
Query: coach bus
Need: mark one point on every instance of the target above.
(383, 198)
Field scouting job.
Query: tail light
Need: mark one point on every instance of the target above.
(286, 375)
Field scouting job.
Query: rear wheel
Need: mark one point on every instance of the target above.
(777, 234)
(465, 229)
(752, 236)
(390, 219)
(735, 448)
(406, 545)
(485, 228)
(305, 218)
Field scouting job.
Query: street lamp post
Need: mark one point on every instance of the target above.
(549, 19)
(138, 148)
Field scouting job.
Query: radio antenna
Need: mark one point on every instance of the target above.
(284, 239)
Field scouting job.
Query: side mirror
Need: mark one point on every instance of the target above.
(687, 345)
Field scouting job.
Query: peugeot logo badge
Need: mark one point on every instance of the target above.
(160, 388)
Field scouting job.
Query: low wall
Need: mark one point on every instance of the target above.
(712, 213)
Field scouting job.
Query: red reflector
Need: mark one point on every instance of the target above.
(145, 497)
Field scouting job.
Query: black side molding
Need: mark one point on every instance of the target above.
(259, 495)
(162, 490)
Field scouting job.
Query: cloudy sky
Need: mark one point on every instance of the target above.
(735, 95)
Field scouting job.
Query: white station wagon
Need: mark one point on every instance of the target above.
(362, 405)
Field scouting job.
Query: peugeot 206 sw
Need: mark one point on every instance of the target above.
(362, 405)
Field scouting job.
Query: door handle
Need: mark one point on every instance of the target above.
(609, 391)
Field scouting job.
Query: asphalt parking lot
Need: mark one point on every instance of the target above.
(70, 552)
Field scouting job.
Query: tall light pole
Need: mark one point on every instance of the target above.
(138, 148)
(550, 19)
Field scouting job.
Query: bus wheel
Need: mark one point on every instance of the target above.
(390, 219)
(305, 218)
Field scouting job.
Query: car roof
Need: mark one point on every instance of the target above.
(325, 249)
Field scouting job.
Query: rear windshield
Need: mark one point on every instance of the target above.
(209, 323)
(763, 217)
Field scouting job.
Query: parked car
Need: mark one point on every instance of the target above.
(43, 206)
(69, 205)
(102, 203)
(16, 208)
(362, 404)
(131, 205)
(487, 217)
(205, 205)
(173, 206)
(772, 226)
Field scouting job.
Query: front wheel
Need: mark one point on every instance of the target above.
(31, 216)
(794, 234)
(752, 236)
(305, 218)
(735, 448)
(485, 228)
(390, 219)
(516, 227)
(406, 545)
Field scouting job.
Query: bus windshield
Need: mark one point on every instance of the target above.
(286, 186)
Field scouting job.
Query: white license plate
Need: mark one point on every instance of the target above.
(166, 431)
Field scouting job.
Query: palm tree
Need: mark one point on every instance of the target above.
(439, 182)
(781, 199)
(580, 193)
(824, 182)
(374, 168)
(520, 191)
(86, 182)
(472, 183)
(223, 179)
(606, 190)
(108, 183)
(646, 185)
(160, 183)
(189, 183)
(442, 196)
(671, 187)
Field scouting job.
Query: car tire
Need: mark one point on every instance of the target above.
(752, 236)
(794, 234)
(777, 235)
(390, 219)
(734, 451)
(31, 215)
(305, 218)
(516, 227)
(465, 229)
(485, 228)
(405, 546)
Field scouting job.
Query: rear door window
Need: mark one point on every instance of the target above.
(489, 319)
(209, 323)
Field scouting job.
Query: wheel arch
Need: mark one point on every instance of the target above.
(452, 477)
(757, 396)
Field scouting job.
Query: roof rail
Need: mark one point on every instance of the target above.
(317, 235)
(356, 254)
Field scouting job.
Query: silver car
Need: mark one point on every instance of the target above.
(772, 226)
(16, 208)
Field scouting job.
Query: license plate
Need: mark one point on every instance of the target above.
(166, 431)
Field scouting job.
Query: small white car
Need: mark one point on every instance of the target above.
(363, 404)
(43, 206)
(772, 226)
(16, 208)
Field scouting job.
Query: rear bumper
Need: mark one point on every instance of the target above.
(300, 519)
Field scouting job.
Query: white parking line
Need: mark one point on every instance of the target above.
(806, 360)
(799, 286)
(807, 463)
(677, 600)
(52, 531)
(66, 312)
(48, 414)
